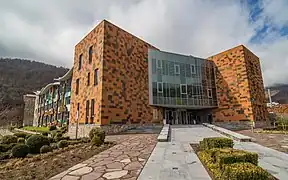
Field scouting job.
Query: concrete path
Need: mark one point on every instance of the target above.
(176, 159)
(123, 161)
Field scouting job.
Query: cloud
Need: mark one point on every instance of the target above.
(48, 31)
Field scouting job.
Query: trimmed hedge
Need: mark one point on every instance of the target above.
(20, 134)
(28, 135)
(232, 164)
(20, 150)
(21, 140)
(8, 139)
(62, 144)
(35, 142)
(244, 171)
(236, 156)
(52, 128)
(216, 142)
(45, 149)
(4, 147)
(96, 131)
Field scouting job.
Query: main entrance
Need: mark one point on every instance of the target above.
(183, 116)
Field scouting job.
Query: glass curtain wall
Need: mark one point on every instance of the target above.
(178, 80)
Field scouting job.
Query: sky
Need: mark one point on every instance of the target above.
(47, 31)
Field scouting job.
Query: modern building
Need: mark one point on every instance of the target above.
(52, 102)
(120, 81)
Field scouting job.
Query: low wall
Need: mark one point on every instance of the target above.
(240, 125)
(84, 129)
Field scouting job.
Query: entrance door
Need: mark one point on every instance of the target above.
(170, 116)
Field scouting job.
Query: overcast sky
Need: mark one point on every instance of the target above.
(47, 31)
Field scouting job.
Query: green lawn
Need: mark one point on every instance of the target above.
(36, 129)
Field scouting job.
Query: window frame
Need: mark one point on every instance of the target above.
(88, 79)
(96, 74)
(181, 88)
(87, 111)
(175, 72)
(209, 93)
(92, 111)
(158, 87)
(77, 86)
(157, 64)
(80, 62)
(194, 68)
(90, 53)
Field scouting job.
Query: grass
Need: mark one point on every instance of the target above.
(36, 129)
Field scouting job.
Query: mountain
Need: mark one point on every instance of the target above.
(20, 76)
(279, 93)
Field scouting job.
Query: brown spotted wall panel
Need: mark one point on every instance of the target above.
(256, 86)
(125, 78)
(232, 85)
(88, 92)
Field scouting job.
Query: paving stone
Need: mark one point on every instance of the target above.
(101, 163)
(60, 175)
(121, 157)
(110, 170)
(133, 166)
(67, 177)
(115, 174)
(140, 159)
(125, 160)
(81, 171)
(91, 176)
(115, 165)
(99, 169)
(77, 166)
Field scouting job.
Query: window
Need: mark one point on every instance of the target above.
(183, 88)
(78, 109)
(192, 67)
(95, 77)
(90, 54)
(159, 64)
(80, 62)
(209, 93)
(177, 69)
(87, 112)
(155, 114)
(77, 86)
(88, 79)
(160, 87)
(92, 111)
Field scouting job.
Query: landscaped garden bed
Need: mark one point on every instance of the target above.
(40, 157)
(223, 162)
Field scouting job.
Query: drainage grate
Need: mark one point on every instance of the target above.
(175, 168)
(173, 152)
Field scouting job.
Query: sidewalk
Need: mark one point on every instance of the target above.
(123, 161)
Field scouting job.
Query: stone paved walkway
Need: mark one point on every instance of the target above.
(123, 161)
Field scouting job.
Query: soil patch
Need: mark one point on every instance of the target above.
(44, 166)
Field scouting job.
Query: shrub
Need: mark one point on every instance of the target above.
(96, 131)
(44, 133)
(244, 171)
(8, 139)
(234, 156)
(96, 141)
(20, 134)
(52, 128)
(35, 142)
(62, 144)
(85, 140)
(53, 133)
(20, 150)
(28, 135)
(216, 142)
(4, 147)
(50, 139)
(45, 149)
(4, 155)
(54, 146)
(21, 140)
(64, 129)
(10, 146)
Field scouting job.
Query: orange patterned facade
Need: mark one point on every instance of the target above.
(240, 89)
(121, 94)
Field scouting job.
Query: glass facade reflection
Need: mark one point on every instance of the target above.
(181, 81)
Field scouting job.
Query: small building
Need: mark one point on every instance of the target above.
(29, 100)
